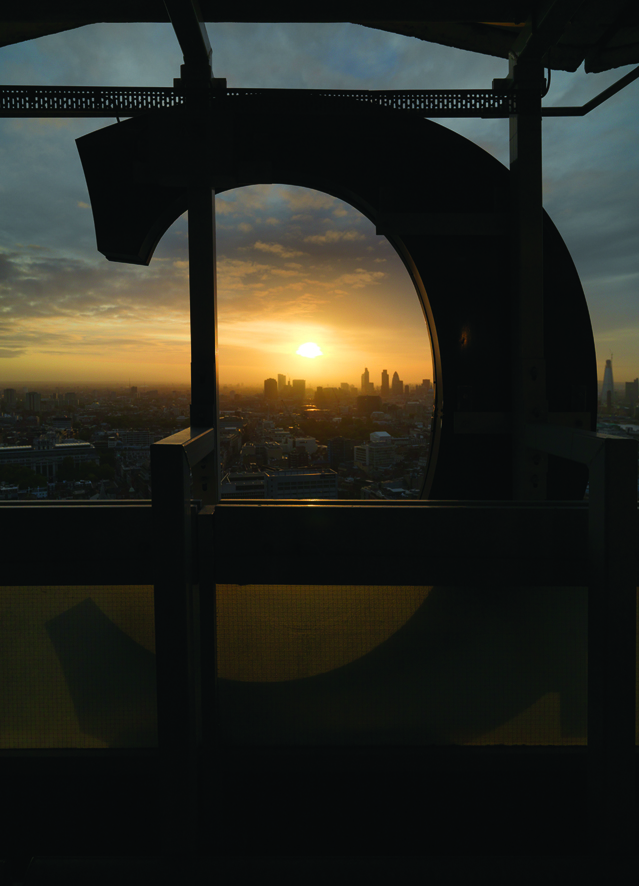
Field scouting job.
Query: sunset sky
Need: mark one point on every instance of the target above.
(294, 265)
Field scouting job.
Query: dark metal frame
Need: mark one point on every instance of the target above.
(130, 101)
(178, 530)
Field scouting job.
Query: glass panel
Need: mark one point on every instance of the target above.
(402, 665)
(324, 353)
(77, 667)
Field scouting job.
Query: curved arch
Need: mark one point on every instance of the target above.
(440, 200)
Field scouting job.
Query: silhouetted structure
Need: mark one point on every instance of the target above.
(608, 388)
(270, 389)
(298, 388)
(10, 398)
(368, 405)
(504, 628)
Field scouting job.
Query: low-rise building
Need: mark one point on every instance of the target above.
(301, 483)
(46, 457)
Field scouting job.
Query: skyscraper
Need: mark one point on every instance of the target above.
(397, 385)
(270, 389)
(10, 398)
(607, 391)
(281, 384)
(365, 381)
(32, 401)
(299, 388)
(385, 383)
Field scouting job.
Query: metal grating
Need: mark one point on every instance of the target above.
(129, 101)
(85, 101)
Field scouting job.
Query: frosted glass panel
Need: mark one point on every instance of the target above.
(402, 665)
(77, 667)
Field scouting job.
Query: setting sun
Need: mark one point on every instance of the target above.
(310, 349)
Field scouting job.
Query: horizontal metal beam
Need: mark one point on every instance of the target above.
(130, 101)
(525, 545)
(85, 101)
(110, 543)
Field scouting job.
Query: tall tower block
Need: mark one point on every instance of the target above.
(607, 391)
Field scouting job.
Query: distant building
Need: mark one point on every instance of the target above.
(281, 385)
(379, 453)
(302, 483)
(46, 457)
(137, 438)
(71, 399)
(632, 392)
(368, 405)
(268, 453)
(385, 384)
(298, 388)
(10, 398)
(243, 485)
(62, 423)
(327, 397)
(365, 381)
(32, 401)
(339, 450)
(397, 387)
(608, 389)
(270, 389)
(307, 443)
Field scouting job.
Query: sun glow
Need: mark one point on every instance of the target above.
(310, 349)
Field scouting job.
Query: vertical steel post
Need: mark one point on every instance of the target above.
(203, 305)
(529, 377)
(171, 491)
(202, 292)
(612, 647)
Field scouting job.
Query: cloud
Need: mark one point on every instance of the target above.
(304, 198)
(334, 236)
(11, 353)
(277, 249)
(360, 278)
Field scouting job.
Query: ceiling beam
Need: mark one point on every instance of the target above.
(544, 30)
(186, 18)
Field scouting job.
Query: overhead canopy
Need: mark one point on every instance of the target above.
(561, 34)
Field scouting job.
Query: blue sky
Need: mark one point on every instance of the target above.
(293, 264)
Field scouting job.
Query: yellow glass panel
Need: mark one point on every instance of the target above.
(77, 667)
(268, 633)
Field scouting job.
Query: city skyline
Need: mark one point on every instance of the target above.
(294, 265)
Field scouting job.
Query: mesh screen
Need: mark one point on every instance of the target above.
(77, 667)
(402, 665)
